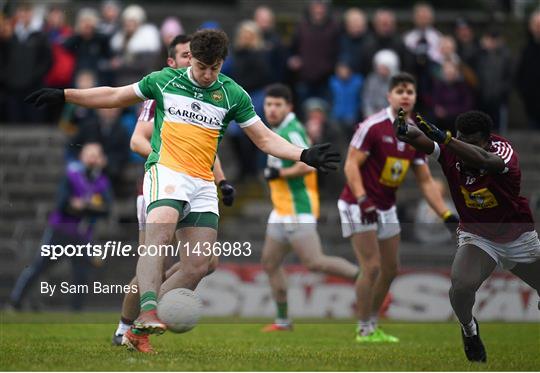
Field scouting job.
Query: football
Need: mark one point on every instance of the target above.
(180, 309)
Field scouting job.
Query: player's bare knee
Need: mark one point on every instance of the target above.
(370, 272)
(159, 237)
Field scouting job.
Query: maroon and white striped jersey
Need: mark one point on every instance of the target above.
(388, 161)
(489, 205)
(147, 111)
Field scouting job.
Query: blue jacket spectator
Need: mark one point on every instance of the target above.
(346, 91)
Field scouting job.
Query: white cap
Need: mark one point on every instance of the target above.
(134, 12)
(387, 58)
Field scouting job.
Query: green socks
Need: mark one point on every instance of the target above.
(282, 310)
(148, 301)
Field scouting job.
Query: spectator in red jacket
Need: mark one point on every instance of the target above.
(61, 73)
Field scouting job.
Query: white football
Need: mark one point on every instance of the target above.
(179, 309)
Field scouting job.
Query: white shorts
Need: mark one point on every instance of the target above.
(141, 211)
(283, 228)
(351, 222)
(524, 249)
(161, 182)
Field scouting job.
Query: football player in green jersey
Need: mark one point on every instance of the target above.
(194, 107)
(293, 220)
(178, 57)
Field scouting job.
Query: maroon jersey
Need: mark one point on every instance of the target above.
(147, 111)
(146, 115)
(388, 161)
(140, 187)
(489, 205)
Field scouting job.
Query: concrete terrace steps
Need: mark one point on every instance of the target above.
(17, 191)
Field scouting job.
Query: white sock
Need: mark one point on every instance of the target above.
(374, 320)
(470, 329)
(282, 322)
(365, 327)
(122, 328)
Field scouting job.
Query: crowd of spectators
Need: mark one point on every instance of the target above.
(344, 59)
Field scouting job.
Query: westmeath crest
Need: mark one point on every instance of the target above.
(217, 96)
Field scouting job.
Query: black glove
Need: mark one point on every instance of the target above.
(45, 97)
(320, 157)
(451, 221)
(401, 128)
(227, 192)
(434, 133)
(271, 173)
(368, 210)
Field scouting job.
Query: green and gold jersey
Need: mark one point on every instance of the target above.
(190, 120)
(297, 195)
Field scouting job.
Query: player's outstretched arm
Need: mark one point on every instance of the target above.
(98, 97)
(476, 157)
(319, 156)
(473, 155)
(411, 134)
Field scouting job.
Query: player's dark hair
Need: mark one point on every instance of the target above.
(401, 78)
(209, 46)
(474, 121)
(280, 91)
(178, 39)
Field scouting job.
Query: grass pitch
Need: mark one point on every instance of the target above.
(60, 342)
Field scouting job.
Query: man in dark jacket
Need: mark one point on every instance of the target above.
(494, 71)
(351, 43)
(27, 59)
(528, 74)
(314, 51)
(385, 36)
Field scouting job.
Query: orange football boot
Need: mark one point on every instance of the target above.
(140, 343)
(148, 322)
